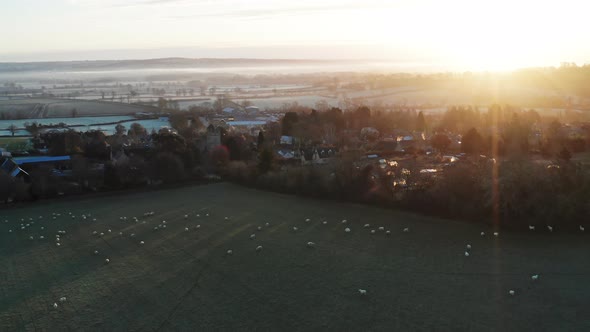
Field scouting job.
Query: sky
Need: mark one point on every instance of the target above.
(467, 34)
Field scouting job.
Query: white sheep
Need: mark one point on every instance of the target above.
(30, 237)
(531, 228)
(496, 233)
(164, 222)
(163, 226)
(41, 237)
(101, 234)
(55, 306)
(468, 246)
(406, 230)
(186, 216)
(226, 218)
(347, 230)
(535, 277)
(307, 220)
(324, 222)
(372, 231)
(186, 229)
(550, 228)
(267, 224)
(198, 226)
(362, 291)
(107, 260)
(206, 214)
(482, 233)
(259, 248)
(58, 244)
(310, 244)
(511, 292)
(96, 252)
(381, 228)
(295, 229)
(62, 299)
(109, 231)
(141, 242)
(132, 235)
(259, 228)
(230, 252)
(344, 221)
(582, 228)
(387, 232)
(366, 225)
(253, 236)
(466, 254)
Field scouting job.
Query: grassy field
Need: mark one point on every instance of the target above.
(55, 108)
(185, 280)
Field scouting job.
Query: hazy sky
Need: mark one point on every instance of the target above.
(473, 34)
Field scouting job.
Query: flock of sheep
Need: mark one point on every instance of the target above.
(27, 224)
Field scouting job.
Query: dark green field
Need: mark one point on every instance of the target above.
(185, 280)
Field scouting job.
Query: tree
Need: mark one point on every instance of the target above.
(260, 139)
(265, 160)
(440, 142)
(137, 130)
(420, 122)
(120, 129)
(162, 103)
(565, 155)
(288, 123)
(472, 142)
(12, 129)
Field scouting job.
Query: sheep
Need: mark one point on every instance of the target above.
(253, 236)
(141, 242)
(120, 233)
(325, 222)
(307, 220)
(347, 230)
(96, 252)
(381, 228)
(387, 232)
(31, 238)
(259, 248)
(310, 244)
(132, 235)
(468, 246)
(406, 230)
(344, 221)
(163, 226)
(366, 226)
(186, 229)
(482, 234)
(550, 228)
(206, 214)
(101, 234)
(41, 237)
(198, 226)
(259, 228)
(230, 252)
(582, 228)
(535, 277)
(372, 231)
(109, 231)
(107, 260)
(531, 228)
(156, 228)
(10, 231)
(496, 234)
(363, 292)
(198, 215)
(186, 216)
(294, 229)
(267, 224)
(226, 218)
(62, 299)
(58, 244)
(511, 292)
(164, 222)
(466, 254)
(42, 228)
(55, 306)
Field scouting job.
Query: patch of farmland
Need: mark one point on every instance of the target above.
(173, 270)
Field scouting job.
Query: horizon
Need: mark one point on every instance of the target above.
(459, 35)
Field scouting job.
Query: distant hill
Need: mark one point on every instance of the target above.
(150, 63)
